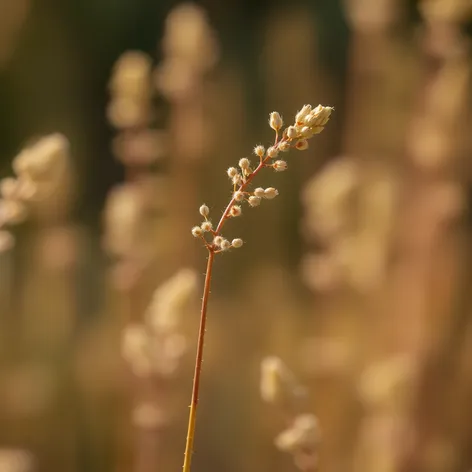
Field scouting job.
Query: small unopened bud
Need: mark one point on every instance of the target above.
(300, 116)
(254, 201)
(284, 146)
(279, 166)
(232, 172)
(217, 241)
(238, 196)
(275, 121)
(272, 151)
(206, 226)
(197, 231)
(244, 163)
(204, 211)
(319, 116)
(236, 243)
(259, 150)
(225, 245)
(259, 192)
(302, 144)
(235, 211)
(292, 132)
(306, 132)
(237, 179)
(270, 193)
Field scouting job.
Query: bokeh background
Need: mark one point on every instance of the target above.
(357, 275)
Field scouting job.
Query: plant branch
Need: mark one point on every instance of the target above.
(308, 122)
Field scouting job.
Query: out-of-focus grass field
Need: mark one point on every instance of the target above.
(357, 275)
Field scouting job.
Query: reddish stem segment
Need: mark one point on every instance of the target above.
(198, 366)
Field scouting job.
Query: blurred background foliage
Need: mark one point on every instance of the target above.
(358, 275)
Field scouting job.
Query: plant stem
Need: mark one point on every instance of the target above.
(192, 420)
(198, 366)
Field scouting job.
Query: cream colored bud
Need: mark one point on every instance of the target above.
(232, 172)
(302, 144)
(300, 116)
(237, 179)
(206, 226)
(238, 196)
(270, 193)
(225, 245)
(284, 146)
(272, 152)
(307, 132)
(275, 121)
(279, 166)
(319, 116)
(217, 241)
(254, 201)
(204, 211)
(244, 163)
(259, 192)
(292, 132)
(259, 150)
(235, 211)
(197, 231)
(237, 243)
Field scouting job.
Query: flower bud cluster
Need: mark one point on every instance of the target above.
(156, 346)
(218, 242)
(131, 91)
(39, 170)
(308, 122)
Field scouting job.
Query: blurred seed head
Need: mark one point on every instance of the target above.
(149, 416)
(171, 300)
(140, 148)
(190, 51)
(16, 460)
(303, 434)
(388, 381)
(278, 385)
(44, 160)
(130, 75)
(188, 36)
(123, 220)
(130, 88)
